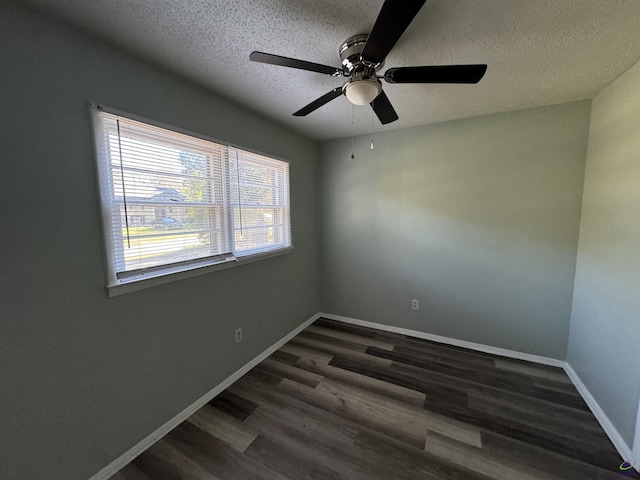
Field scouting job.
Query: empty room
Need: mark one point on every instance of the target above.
(358, 239)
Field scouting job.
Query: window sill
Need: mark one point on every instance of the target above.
(163, 278)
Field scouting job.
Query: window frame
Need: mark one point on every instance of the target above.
(121, 283)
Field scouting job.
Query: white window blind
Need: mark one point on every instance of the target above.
(259, 189)
(173, 202)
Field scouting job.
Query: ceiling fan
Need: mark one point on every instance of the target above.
(363, 56)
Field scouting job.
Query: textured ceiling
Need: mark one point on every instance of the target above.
(539, 52)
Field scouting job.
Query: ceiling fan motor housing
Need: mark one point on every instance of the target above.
(351, 56)
(363, 86)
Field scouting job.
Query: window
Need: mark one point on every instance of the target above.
(257, 187)
(173, 202)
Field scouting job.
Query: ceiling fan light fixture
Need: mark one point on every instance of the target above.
(362, 92)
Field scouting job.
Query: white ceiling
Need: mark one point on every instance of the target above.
(539, 52)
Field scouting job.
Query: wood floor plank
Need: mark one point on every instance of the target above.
(397, 410)
(262, 377)
(307, 353)
(311, 443)
(290, 371)
(284, 357)
(579, 450)
(486, 369)
(502, 381)
(513, 428)
(555, 424)
(535, 370)
(424, 379)
(395, 418)
(365, 382)
(491, 465)
(345, 327)
(289, 465)
(233, 405)
(299, 428)
(418, 463)
(216, 456)
(474, 356)
(454, 351)
(346, 401)
(350, 337)
(224, 427)
(566, 415)
(130, 472)
(510, 373)
(370, 415)
(556, 386)
(322, 423)
(446, 355)
(551, 462)
(459, 431)
(333, 341)
(327, 347)
(163, 462)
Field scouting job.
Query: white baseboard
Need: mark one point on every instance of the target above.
(603, 420)
(450, 341)
(150, 439)
(635, 453)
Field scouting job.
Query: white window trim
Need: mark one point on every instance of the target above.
(116, 287)
(167, 277)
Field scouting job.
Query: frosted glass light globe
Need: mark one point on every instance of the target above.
(362, 92)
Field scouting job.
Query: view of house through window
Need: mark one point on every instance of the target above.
(173, 201)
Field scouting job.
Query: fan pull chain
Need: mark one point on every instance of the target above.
(372, 129)
(353, 129)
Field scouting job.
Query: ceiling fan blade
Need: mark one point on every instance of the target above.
(436, 74)
(393, 19)
(383, 108)
(293, 63)
(326, 98)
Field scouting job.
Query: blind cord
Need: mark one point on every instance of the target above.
(124, 191)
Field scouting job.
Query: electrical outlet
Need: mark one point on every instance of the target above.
(238, 335)
(415, 304)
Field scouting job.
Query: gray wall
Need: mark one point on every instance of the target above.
(478, 219)
(84, 377)
(605, 325)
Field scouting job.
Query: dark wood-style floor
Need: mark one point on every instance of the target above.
(340, 401)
